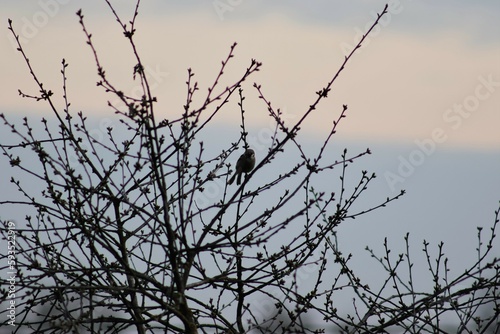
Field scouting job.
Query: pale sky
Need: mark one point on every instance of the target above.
(426, 66)
(425, 89)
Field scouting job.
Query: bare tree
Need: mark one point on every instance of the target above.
(119, 241)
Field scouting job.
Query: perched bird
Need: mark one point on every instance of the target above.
(245, 164)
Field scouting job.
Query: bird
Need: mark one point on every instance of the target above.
(245, 164)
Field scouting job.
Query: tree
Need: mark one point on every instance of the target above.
(119, 240)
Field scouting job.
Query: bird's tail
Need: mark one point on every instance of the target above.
(231, 180)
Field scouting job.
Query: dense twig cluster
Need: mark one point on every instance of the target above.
(119, 241)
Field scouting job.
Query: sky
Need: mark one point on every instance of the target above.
(423, 91)
(420, 70)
